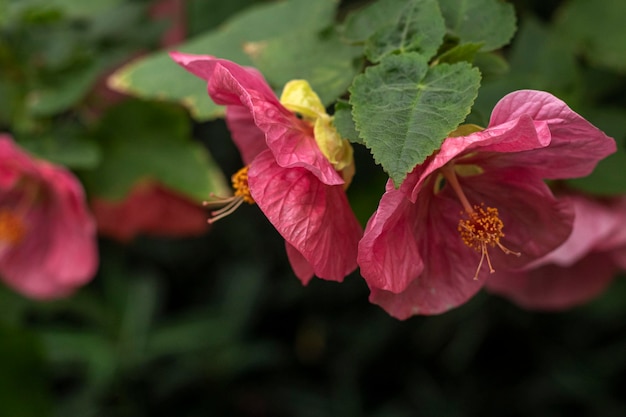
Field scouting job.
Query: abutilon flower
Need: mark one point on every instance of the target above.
(296, 165)
(478, 206)
(578, 270)
(47, 236)
(150, 209)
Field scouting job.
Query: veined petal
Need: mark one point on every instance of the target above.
(576, 145)
(446, 280)
(301, 267)
(552, 287)
(535, 222)
(227, 81)
(313, 217)
(389, 257)
(595, 225)
(515, 136)
(290, 139)
(249, 139)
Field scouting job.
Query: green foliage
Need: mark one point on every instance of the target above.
(596, 29)
(23, 388)
(404, 110)
(539, 59)
(264, 35)
(418, 27)
(150, 141)
(67, 145)
(324, 60)
(218, 324)
(344, 123)
(490, 22)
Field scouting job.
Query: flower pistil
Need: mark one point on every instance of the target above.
(482, 226)
(228, 205)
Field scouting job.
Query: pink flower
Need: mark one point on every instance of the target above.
(150, 209)
(578, 270)
(47, 237)
(478, 205)
(297, 166)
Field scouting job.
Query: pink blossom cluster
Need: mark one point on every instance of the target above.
(478, 212)
(47, 235)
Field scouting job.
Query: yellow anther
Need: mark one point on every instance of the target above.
(12, 228)
(240, 185)
(228, 205)
(483, 227)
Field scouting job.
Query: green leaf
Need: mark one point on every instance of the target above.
(404, 110)
(490, 22)
(23, 388)
(65, 146)
(142, 140)
(419, 28)
(361, 24)
(342, 119)
(464, 52)
(540, 59)
(158, 77)
(491, 64)
(597, 29)
(608, 178)
(55, 98)
(327, 63)
(72, 9)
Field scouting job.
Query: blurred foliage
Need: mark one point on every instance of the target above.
(218, 325)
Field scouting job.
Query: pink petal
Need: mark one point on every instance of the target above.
(446, 280)
(535, 222)
(518, 135)
(150, 209)
(552, 287)
(249, 139)
(576, 145)
(226, 89)
(389, 257)
(58, 252)
(289, 138)
(313, 217)
(596, 224)
(301, 267)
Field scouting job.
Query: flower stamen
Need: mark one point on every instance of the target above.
(12, 228)
(229, 205)
(482, 227)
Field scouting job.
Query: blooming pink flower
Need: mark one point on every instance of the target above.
(579, 269)
(297, 166)
(150, 209)
(478, 205)
(47, 236)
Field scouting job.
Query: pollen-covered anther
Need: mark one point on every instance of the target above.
(228, 205)
(11, 228)
(483, 227)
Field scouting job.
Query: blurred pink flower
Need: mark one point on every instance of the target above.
(151, 209)
(175, 12)
(47, 237)
(297, 166)
(478, 205)
(578, 270)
